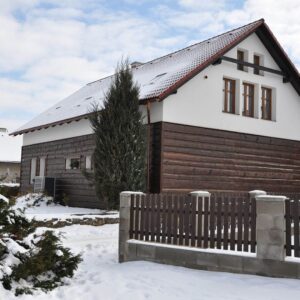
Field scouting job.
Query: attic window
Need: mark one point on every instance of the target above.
(88, 98)
(58, 107)
(242, 56)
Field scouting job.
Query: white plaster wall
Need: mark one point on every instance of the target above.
(79, 128)
(200, 101)
(64, 131)
(156, 112)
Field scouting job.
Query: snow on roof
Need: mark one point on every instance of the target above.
(10, 148)
(154, 78)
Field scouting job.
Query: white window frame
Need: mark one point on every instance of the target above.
(33, 165)
(88, 162)
(42, 166)
(68, 162)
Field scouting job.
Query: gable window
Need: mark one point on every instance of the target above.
(248, 100)
(266, 107)
(241, 57)
(229, 95)
(256, 60)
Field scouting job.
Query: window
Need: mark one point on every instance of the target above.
(229, 96)
(240, 57)
(72, 163)
(32, 170)
(248, 100)
(266, 107)
(256, 60)
(88, 162)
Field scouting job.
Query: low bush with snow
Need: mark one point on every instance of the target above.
(31, 259)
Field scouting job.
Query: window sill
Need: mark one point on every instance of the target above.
(270, 120)
(252, 117)
(230, 113)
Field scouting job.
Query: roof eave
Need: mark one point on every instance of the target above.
(53, 124)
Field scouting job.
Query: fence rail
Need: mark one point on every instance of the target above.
(292, 218)
(221, 221)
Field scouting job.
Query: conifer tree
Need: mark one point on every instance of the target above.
(120, 153)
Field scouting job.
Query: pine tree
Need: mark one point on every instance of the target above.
(120, 153)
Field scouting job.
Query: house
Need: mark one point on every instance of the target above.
(223, 115)
(10, 156)
(10, 171)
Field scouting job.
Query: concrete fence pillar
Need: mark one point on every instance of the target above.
(255, 193)
(200, 194)
(270, 227)
(124, 225)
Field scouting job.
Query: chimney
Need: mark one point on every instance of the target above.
(135, 64)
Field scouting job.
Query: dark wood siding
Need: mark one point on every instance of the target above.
(196, 158)
(69, 182)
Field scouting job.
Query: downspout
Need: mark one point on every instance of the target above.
(148, 144)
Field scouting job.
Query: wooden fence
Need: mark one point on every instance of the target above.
(223, 221)
(292, 218)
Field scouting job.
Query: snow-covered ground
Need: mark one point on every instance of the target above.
(10, 184)
(43, 208)
(100, 276)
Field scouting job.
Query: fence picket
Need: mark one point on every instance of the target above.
(232, 224)
(187, 208)
(226, 223)
(288, 225)
(240, 224)
(136, 219)
(205, 235)
(246, 224)
(175, 219)
(253, 225)
(131, 216)
(193, 221)
(212, 222)
(142, 221)
(219, 222)
(147, 217)
(181, 219)
(169, 220)
(199, 227)
(164, 219)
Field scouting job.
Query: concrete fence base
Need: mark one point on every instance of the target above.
(209, 260)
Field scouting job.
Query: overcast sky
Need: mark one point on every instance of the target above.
(50, 48)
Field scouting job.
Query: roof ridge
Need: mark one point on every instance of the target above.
(262, 20)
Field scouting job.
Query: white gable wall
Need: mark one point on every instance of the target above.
(82, 127)
(200, 101)
(64, 131)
